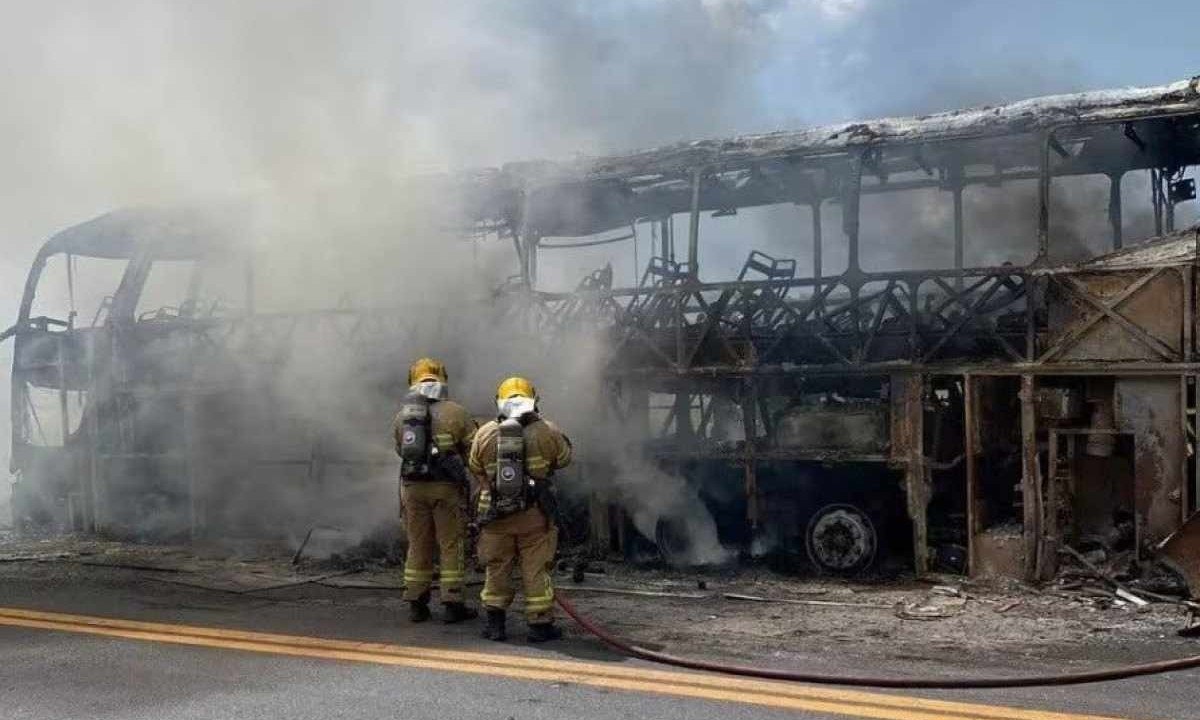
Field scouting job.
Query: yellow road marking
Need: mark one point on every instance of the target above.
(852, 703)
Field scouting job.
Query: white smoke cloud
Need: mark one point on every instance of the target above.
(320, 108)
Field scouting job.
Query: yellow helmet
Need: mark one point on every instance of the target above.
(516, 387)
(426, 369)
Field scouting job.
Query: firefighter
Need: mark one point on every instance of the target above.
(513, 459)
(433, 438)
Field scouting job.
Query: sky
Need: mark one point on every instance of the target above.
(922, 55)
(130, 102)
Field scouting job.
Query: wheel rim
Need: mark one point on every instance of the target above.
(840, 539)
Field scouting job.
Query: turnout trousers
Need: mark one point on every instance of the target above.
(436, 523)
(529, 539)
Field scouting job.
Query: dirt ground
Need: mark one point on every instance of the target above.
(749, 615)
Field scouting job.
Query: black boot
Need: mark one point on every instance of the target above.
(418, 610)
(456, 612)
(544, 632)
(495, 628)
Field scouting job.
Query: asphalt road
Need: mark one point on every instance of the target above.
(53, 675)
(103, 645)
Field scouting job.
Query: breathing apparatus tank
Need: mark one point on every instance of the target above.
(415, 447)
(514, 487)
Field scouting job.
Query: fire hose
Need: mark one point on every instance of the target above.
(954, 683)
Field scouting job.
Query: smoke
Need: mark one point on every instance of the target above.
(320, 114)
(659, 503)
(5, 508)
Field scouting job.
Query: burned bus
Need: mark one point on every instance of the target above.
(964, 339)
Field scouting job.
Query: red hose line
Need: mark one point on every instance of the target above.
(959, 683)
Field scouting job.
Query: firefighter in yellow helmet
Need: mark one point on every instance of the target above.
(433, 438)
(513, 459)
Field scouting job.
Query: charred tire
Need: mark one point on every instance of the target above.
(840, 540)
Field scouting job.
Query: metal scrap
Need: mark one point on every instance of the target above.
(817, 603)
(1181, 552)
(1119, 589)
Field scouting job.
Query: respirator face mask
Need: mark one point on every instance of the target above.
(515, 407)
(430, 389)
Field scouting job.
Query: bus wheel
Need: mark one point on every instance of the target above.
(840, 539)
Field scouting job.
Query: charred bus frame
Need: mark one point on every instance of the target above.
(964, 337)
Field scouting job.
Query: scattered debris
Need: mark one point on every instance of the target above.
(742, 614)
(935, 606)
(640, 593)
(1193, 627)
(1121, 590)
(794, 601)
(1130, 597)
(1181, 551)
